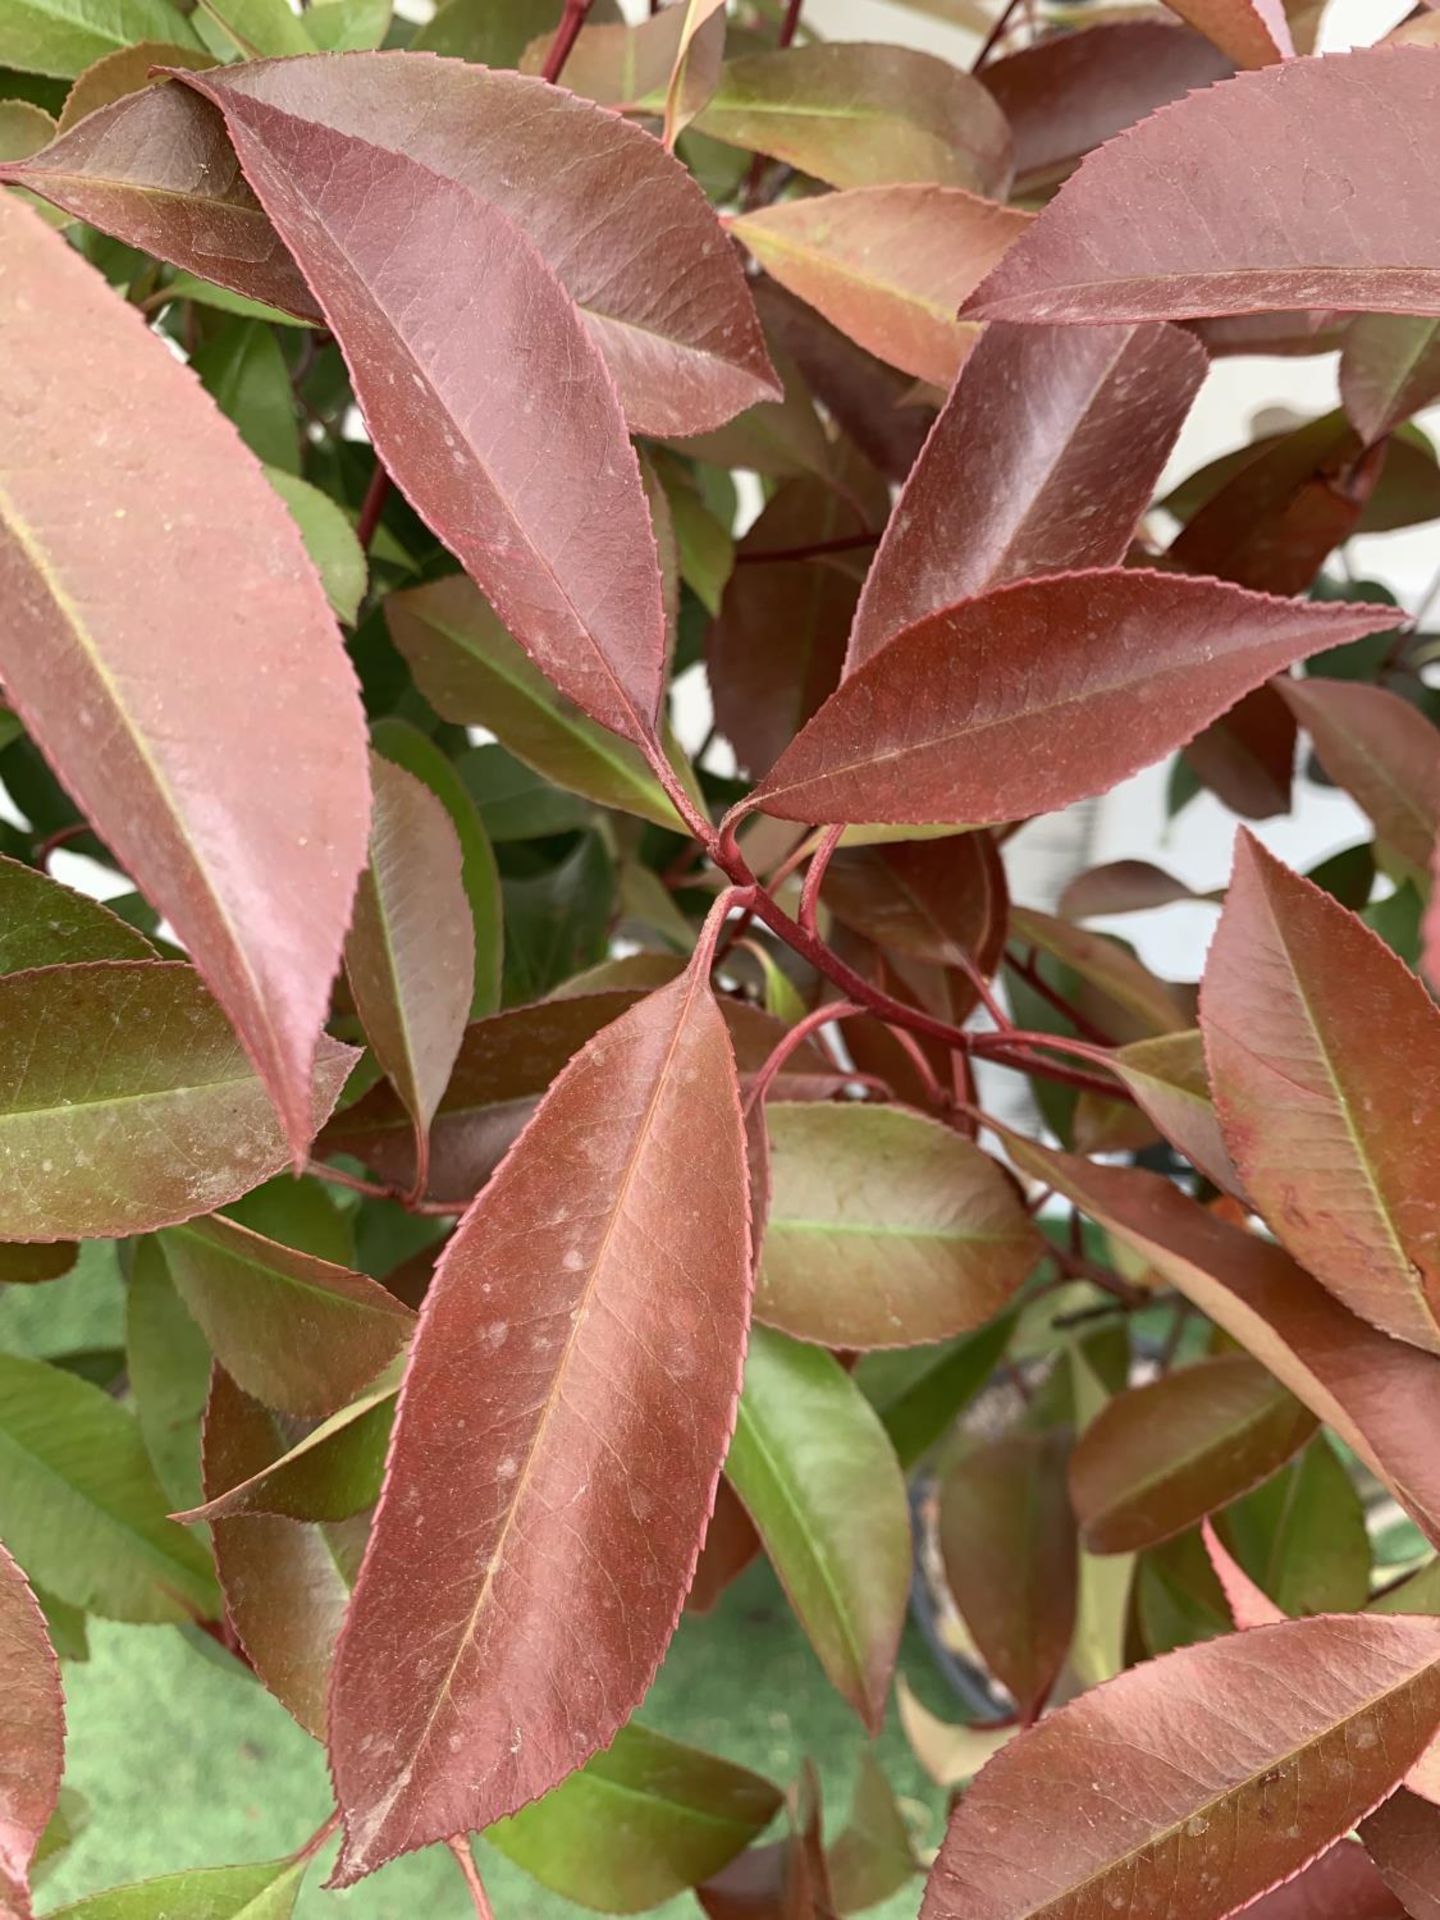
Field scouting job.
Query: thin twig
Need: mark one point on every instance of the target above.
(995, 35)
(1033, 978)
(793, 1038)
(317, 1839)
(815, 878)
(811, 550)
(373, 505)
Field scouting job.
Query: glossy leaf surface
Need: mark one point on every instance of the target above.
(1158, 1458)
(563, 1263)
(1402, 1837)
(1042, 460)
(1330, 1142)
(1385, 754)
(1267, 233)
(927, 731)
(252, 852)
(569, 565)
(264, 1892)
(816, 1473)
(301, 1334)
(1314, 1720)
(884, 1229)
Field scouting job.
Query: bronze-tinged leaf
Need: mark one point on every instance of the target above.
(1242, 199)
(410, 952)
(1121, 886)
(126, 71)
(888, 265)
(562, 547)
(127, 1073)
(43, 924)
(1194, 1783)
(941, 902)
(863, 116)
(32, 1735)
(1105, 672)
(885, 1228)
(1373, 1391)
(568, 1403)
(873, 1856)
(300, 1334)
(1249, 1604)
(775, 650)
(1306, 1014)
(286, 1585)
(1402, 1837)
(663, 297)
(1389, 370)
(1254, 33)
(1118, 991)
(1007, 1539)
(1042, 460)
(1341, 1882)
(156, 169)
(1383, 752)
(1069, 92)
(1247, 757)
(1167, 1076)
(238, 809)
(1157, 1458)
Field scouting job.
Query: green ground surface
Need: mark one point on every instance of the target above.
(185, 1761)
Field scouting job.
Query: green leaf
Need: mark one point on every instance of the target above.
(642, 1821)
(169, 1365)
(43, 924)
(63, 37)
(253, 29)
(244, 372)
(817, 1475)
(129, 1070)
(329, 538)
(885, 1228)
(493, 33)
(473, 673)
(189, 286)
(397, 740)
(1302, 1536)
(515, 802)
(919, 1391)
(80, 1506)
(558, 922)
(207, 1893)
(348, 26)
(874, 1857)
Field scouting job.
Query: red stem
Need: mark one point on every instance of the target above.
(995, 35)
(317, 1839)
(566, 34)
(784, 1047)
(373, 505)
(789, 24)
(815, 878)
(1031, 974)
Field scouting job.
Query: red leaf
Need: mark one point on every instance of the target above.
(1042, 461)
(1244, 199)
(662, 296)
(1069, 92)
(1340, 1885)
(569, 1400)
(1389, 369)
(1254, 33)
(410, 953)
(1192, 1784)
(286, 1583)
(1305, 1014)
(32, 1735)
(1104, 673)
(1249, 1604)
(1374, 1392)
(238, 808)
(1402, 1837)
(1383, 752)
(562, 547)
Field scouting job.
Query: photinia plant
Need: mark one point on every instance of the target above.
(547, 561)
